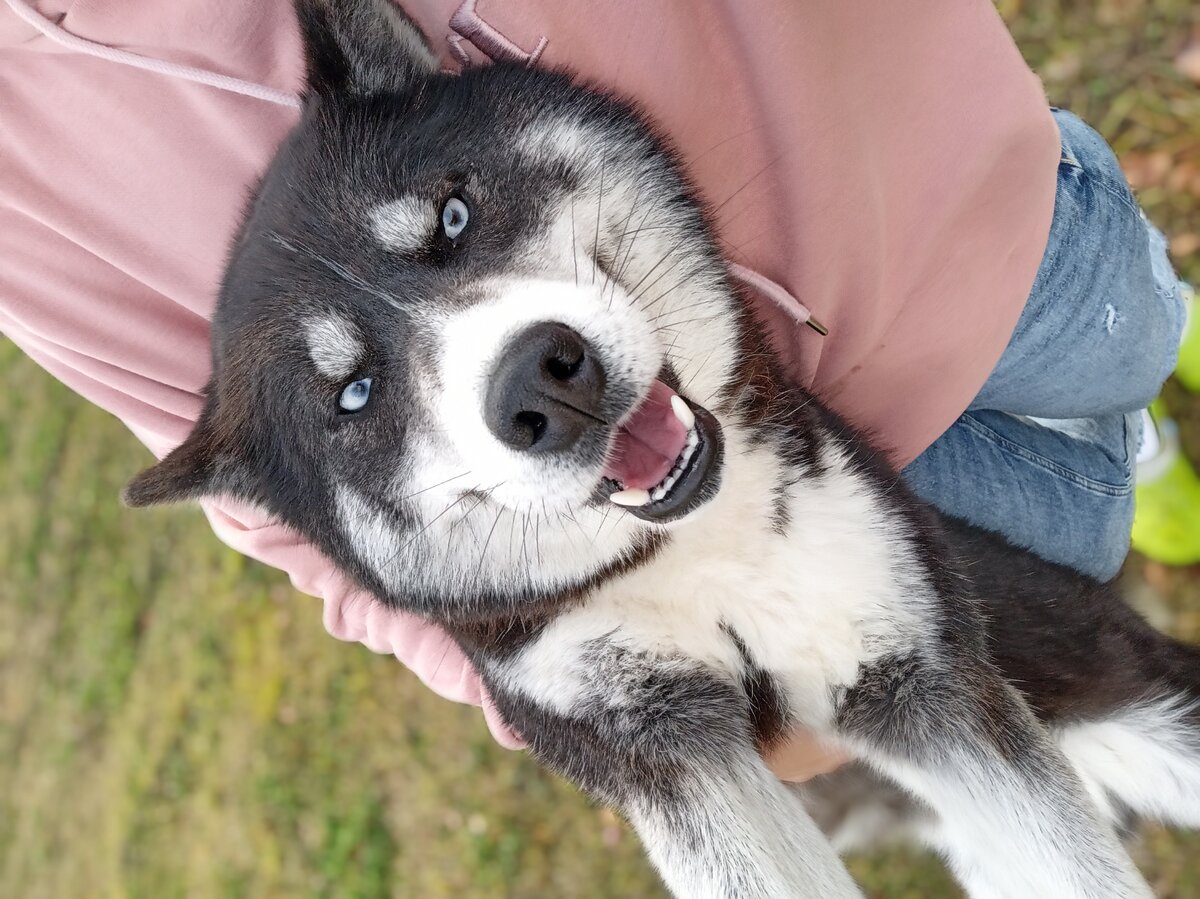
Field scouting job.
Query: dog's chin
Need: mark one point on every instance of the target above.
(693, 481)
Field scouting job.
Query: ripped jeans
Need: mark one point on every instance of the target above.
(1045, 453)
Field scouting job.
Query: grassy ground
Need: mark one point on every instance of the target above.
(175, 722)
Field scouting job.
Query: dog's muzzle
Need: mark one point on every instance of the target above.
(546, 394)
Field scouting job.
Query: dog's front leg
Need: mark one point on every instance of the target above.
(669, 744)
(1015, 820)
(727, 828)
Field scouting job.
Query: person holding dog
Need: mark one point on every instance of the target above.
(998, 310)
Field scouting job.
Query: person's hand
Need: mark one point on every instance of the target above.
(424, 648)
(802, 757)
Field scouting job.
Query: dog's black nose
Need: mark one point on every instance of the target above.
(546, 391)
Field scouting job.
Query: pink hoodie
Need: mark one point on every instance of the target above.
(892, 165)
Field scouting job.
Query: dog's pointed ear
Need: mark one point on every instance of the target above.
(361, 47)
(199, 467)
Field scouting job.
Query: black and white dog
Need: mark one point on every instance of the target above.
(477, 342)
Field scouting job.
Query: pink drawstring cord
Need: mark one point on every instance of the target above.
(777, 295)
(71, 41)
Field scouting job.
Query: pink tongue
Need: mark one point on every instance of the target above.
(648, 444)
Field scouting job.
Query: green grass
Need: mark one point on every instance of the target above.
(174, 721)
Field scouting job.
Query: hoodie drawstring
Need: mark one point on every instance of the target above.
(73, 42)
(778, 295)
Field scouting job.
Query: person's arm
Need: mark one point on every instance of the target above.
(352, 614)
(349, 613)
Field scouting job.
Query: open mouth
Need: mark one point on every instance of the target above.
(666, 459)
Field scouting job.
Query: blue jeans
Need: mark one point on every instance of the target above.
(1045, 453)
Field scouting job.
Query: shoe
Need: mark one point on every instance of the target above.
(1166, 523)
(1187, 370)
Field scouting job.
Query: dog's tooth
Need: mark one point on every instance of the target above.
(683, 412)
(631, 498)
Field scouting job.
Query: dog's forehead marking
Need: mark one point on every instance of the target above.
(333, 346)
(403, 224)
(562, 140)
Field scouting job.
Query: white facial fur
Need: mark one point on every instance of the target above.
(333, 345)
(473, 341)
(491, 517)
(404, 225)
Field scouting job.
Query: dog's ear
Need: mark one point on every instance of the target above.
(203, 465)
(361, 47)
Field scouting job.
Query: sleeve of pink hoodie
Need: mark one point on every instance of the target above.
(349, 613)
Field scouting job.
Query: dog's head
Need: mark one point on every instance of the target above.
(468, 329)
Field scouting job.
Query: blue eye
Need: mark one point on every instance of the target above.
(355, 396)
(454, 217)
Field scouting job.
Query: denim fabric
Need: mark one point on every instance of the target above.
(1045, 453)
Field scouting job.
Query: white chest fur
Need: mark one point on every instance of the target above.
(838, 589)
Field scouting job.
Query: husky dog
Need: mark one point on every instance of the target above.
(477, 342)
